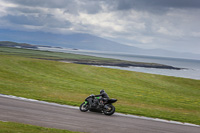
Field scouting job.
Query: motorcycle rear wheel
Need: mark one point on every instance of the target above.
(84, 107)
(110, 110)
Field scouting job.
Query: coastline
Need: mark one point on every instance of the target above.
(121, 63)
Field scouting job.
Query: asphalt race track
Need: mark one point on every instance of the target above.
(54, 116)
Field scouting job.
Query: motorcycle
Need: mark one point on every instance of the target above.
(98, 104)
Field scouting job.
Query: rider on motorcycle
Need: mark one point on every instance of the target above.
(104, 96)
(99, 103)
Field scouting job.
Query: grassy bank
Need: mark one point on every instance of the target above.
(66, 83)
(11, 127)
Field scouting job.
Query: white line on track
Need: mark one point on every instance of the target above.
(118, 114)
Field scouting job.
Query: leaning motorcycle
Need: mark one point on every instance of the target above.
(98, 104)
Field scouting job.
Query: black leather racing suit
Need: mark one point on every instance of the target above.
(104, 96)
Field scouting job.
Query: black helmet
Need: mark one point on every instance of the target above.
(102, 91)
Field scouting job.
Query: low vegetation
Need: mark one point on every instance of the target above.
(143, 94)
(12, 127)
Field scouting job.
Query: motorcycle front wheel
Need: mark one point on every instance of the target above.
(84, 107)
(109, 110)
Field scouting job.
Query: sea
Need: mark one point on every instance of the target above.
(191, 67)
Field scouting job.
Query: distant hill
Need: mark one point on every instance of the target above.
(14, 44)
(85, 42)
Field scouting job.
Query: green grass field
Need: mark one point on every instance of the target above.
(143, 94)
(11, 127)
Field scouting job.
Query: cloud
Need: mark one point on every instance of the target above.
(43, 3)
(141, 23)
(70, 6)
(150, 5)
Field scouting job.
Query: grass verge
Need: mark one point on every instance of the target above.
(12, 127)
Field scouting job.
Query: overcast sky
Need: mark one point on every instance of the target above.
(163, 24)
